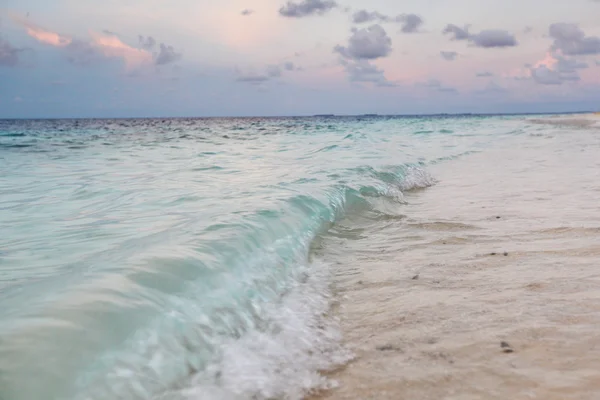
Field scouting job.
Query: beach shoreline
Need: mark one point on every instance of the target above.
(491, 297)
(451, 257)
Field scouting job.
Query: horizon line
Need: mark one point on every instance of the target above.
(323, 115)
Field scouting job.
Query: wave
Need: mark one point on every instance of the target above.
(243, 312)
(12, 134)
(273, 350)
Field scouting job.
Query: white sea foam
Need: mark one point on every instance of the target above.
(416, 178)
(284, 360)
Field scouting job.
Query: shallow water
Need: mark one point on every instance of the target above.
(206, 258)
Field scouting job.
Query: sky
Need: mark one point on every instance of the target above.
(186, 58)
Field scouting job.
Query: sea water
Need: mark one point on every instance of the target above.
(184, 258)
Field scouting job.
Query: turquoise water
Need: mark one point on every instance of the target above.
(167, 259)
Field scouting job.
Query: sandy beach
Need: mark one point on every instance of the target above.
(489, 288)
(591, 120)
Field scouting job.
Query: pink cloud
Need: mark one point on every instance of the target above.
(42, 35)
(112, 47)
(553, 69)
(548, 61)
(107, 45)
(47, 37)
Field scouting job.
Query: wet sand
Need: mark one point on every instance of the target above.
(505, 248)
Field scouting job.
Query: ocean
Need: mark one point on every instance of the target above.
(277, 258)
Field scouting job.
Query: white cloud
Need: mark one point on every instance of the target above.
(367, 44)
(572, 41)
(449, 55)
(306, 8)
(489, 38)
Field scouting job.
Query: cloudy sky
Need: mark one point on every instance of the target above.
(119, 58)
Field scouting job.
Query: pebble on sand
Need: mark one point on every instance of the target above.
(506, 347)
(387, 347)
